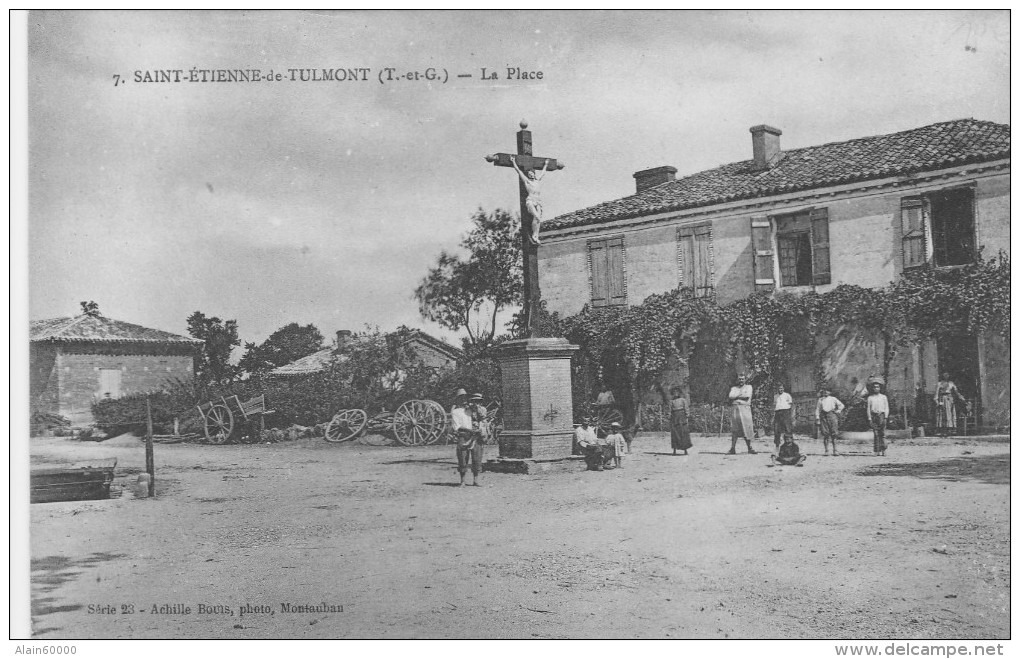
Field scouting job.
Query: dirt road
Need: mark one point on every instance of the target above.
(914, 545)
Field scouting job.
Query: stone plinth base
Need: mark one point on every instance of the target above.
(512, 466)
(538, 406)
(535, 444)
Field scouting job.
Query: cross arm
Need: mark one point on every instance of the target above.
(524, 162)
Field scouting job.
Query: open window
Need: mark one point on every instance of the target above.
(797, 244)
(939, 228)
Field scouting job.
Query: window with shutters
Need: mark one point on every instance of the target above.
(694, 256)
(938, 228)
(800, 249)
(607, 272)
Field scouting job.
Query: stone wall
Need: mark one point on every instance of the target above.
(80, 377)
(44, 378)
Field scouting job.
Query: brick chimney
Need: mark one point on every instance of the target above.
(648, 178)
(765, 144)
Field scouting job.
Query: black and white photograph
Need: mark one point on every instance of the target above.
(513, 325)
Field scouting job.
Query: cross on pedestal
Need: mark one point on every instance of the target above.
(527, 162)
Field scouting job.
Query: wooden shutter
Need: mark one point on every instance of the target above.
(912, 223)
(599, 273)
(820, 268)
(685, 254)
(703, 261)
(761, 249)
(109, 382)
(617, 271)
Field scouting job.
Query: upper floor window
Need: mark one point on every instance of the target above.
(797, 244)
(694, 256)
(938, 228)
(606, 259)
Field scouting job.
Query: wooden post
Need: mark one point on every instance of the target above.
(150, 462)
(177, 427)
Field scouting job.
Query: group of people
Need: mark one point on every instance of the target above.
(601, 453)
(471, 427)
(827, 416)
(469, 420)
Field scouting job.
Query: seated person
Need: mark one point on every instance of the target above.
(789, 453)
(595, 450)
(583, 434)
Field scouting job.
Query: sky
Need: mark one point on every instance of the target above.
(326, 202)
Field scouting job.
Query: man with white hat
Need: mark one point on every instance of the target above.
(469, 425)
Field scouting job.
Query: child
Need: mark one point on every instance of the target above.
(618, 443)
(789, 453)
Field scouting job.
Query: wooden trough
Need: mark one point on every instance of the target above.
(75, 483)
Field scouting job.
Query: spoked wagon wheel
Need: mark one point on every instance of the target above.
(606, 416)
(345, 426)
(419, 422)
(219, 423)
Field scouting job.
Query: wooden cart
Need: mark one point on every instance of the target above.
(415, 423)
(229, 417)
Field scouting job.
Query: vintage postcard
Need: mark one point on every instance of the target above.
(678, 325)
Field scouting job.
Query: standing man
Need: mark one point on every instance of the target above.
(468, 432)
(741, 423)
(827, 416)
(878, 414)
(782, 421)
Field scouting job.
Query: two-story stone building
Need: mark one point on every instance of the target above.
(856, 212)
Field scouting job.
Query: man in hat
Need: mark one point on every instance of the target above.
(878, 413)
(468, 431)
(827, 416)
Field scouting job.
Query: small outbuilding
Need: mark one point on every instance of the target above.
(77, 361)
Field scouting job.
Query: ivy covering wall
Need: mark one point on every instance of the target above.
(632, 347)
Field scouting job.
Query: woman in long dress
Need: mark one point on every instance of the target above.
(946, 395)
(680, 432)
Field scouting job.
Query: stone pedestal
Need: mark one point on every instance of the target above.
(538, 405)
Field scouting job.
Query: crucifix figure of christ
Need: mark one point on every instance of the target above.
(531, 213)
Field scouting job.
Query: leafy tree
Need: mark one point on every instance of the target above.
(285, 345)
(220, 338)
(90, 308)
(467, 293)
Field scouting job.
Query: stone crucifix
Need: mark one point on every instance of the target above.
(531, 213)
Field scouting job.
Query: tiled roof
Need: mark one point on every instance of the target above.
(98, 329)
(947, 144)
(312, 363)
(317, 361)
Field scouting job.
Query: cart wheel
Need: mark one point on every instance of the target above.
(345, 426)
(605, 417)
(419, 422)
(441, 422)
(219, 424)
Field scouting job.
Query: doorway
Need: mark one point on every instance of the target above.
(958, 356)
